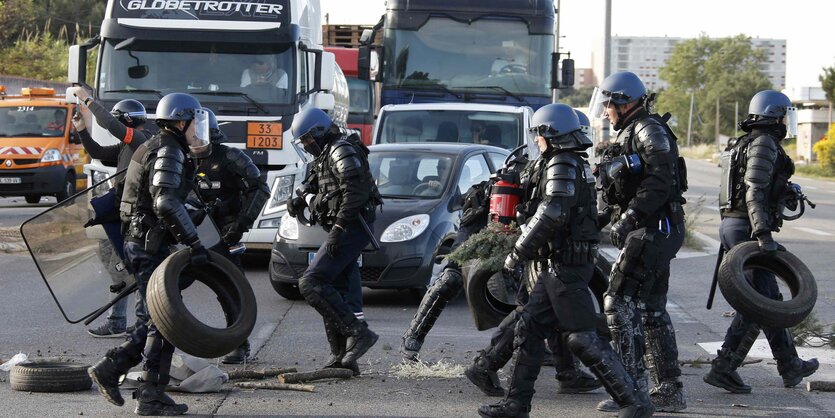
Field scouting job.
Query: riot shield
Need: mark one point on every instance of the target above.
(76, 257)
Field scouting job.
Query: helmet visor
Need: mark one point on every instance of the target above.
(791, 122)
(306, 145)
(197, 134)
(599, 101)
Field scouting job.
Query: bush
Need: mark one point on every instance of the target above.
(491, 245)
(825, 150)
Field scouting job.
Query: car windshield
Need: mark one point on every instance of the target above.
(19, 121)
(500, 129)
(411, 175)
(474, 56)
(216, 72)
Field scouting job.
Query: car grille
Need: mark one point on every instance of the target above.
(282, 269)
(371, 274)
(21, 187)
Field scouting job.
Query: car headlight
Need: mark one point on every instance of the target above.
(51, 155)
(281, 191)
(405, 229)
(289, 228)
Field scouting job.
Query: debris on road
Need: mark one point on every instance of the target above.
(421, 370)
(15, 360)
(739, 405)
(820, 386)
(275, 386)
(239, 374)
(315, 375)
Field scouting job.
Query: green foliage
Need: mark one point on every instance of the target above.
(491, 245)
(810, 332)
(39, 56)
(725, 70)
(827, 80)
(577, 97)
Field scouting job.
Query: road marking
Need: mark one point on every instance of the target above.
(679, 315)
(760, 349)
(708, 244)
(812, 231)
(713, 208)
(810, 187)
(258, 339)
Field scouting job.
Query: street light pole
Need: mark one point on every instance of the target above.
(556, 95)
(607, 58)
(690, 118)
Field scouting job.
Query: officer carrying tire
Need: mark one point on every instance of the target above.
(755, 174)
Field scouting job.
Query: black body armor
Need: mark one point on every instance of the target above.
(232, 185)
(158, 180)
(755, 174)
(345, 188)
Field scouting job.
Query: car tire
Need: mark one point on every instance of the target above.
(288, 291)
(181, 327)
(50, 376)
(32, 199)
(67, 188)
(758, 308)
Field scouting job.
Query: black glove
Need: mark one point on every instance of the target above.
(332, 243)
(604, 217)
(767, 243)
(620, 229)
(513, 266)
(232, 233)
(199, 255)
(295, 205)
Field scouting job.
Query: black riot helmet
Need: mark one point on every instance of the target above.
(559, 124)
(771, 109)
(620, 88)
(177, 107)
(313, 129)
(130, 112)
(215, 134)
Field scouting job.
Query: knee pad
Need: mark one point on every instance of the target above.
(580, 341)
(618, 311)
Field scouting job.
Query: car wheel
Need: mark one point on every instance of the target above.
(33, 199)
(760, 309)
(181, 327)
(68, 189)
(50, 376)
(288, 291)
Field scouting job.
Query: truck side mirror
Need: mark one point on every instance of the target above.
(364, 63)
(324, 101)
(567, 73)
(77, 65)
(327, 74)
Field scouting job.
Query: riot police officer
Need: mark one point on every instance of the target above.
(561, 240)
(235, 192)
(125, 121)
(643, 180)
(483, 372)
(159, 178)
(342, 198)
(755, 177)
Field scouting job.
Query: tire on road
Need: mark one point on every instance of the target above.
(760, 309)
(67, 188)
(32, 199)
(50, 376)
(181, 327)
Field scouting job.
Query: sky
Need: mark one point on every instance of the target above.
(804, 24)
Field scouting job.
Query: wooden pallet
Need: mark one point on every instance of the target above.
(343, 35)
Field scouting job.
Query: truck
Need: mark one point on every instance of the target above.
(256, 64)
(490, 51)
(40, 152)
(363, 103)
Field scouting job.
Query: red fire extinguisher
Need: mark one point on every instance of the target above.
(505, 194)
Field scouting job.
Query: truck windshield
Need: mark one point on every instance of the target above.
(470, 57)
(499, 129)
(217, 73)
(20, 121)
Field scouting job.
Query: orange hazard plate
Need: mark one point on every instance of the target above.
(264, 135)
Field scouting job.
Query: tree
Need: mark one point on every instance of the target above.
(579, 97)
(827, 80)
(726, 70)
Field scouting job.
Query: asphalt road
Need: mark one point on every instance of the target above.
(290, 334)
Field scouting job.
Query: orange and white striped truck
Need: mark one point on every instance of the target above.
(40, 152)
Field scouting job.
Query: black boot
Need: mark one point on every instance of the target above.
(723, 373)
(576, 381)
(793, 370)
(151, 399)
(483, 375)
(239, 355)
(606, 365)
(433, 303)
(359, 340)
(108, 370)
(337, 342)
(506, 408)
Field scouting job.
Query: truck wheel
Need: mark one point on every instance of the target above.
(68, 189)
(33, 199)
(762, 310)
(288, 291)
(50, 376)
(179, 326)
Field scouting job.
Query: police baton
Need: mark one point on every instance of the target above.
(374, 243)
(123, 294)
(712, 293)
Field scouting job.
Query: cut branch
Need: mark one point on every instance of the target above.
(258, 374)
(315, 375)
(275, 386)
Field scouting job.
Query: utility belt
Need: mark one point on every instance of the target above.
(145, 229)
(574, 253)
